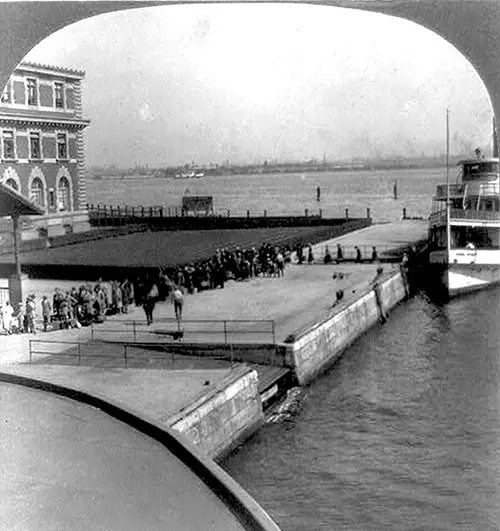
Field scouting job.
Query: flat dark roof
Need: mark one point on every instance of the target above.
(13, 203)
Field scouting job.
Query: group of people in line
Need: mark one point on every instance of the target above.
(19, 318)
(328, 259)
(69, 309)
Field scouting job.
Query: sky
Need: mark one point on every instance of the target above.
(246, 83)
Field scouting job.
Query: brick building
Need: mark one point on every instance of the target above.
(42, 146)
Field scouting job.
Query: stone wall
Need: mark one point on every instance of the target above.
(317, 348)
(222, 418)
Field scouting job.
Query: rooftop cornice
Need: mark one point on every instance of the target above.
(39, 67)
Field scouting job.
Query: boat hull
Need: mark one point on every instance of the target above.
(458, 279)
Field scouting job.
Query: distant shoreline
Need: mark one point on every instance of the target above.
(239, 171)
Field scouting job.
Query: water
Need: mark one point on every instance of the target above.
(403, 433)
(285, 194)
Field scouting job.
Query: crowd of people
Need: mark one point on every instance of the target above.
(238, 264)
(77, 307)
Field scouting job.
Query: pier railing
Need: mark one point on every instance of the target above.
(111, 215)
(109, 355)
(192, 330)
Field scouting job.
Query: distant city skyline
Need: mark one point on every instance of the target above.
(245, 83)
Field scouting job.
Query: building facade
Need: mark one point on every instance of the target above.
(42, 145)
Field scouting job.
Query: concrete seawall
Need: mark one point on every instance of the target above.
(315, 349)
(217, 421)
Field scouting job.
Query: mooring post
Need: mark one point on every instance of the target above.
(404, 213)
(346, 213)
(368, 213)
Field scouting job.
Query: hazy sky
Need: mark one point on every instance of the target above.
(244, 83)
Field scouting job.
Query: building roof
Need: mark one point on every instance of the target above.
(52, 68)
(13, 203)
(477, 161)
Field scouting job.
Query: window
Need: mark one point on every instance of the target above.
(8, 145)
(36, 192)
(7, 93)
(59, 95)
(63, 197)
(35, 151)
(62, 146)
(10, 182)
(32, 92)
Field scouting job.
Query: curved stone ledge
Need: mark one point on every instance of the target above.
(243, 506)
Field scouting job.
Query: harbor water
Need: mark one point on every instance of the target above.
(402, 434)
(281, 194)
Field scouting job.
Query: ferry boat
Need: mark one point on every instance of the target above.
(464, 228)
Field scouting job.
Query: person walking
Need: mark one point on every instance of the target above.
(149, 302)
(7, 312)
(358, 254)
(340, 254)
(46, 312)
(30, 314)
(19, 318)
(310, 256)
(374, 254)
(178, 300)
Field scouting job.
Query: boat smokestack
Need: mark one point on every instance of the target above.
(495, 138)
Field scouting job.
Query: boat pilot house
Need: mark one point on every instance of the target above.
(469, 210)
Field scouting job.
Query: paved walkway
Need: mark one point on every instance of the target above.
(66, 465)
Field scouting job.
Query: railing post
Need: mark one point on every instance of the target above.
(30, 350)
(135, 335)
(228, 213)
(125, 353)
(274, 332)
(368, 213)
(404, 213)
(225, 331)
(320, 212)
(92, 332)
(306, 212)
(346, 213)
(79, 355)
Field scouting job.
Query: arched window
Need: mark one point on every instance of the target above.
(12, 183)
(63, 195)
(36, 192)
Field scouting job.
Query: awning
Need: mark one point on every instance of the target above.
(13, 203)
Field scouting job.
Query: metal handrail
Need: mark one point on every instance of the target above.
(225, 329)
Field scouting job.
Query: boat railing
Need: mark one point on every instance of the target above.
(461, 214)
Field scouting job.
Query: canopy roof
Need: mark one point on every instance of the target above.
(12, 203)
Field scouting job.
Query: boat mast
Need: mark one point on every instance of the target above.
(448, 232)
